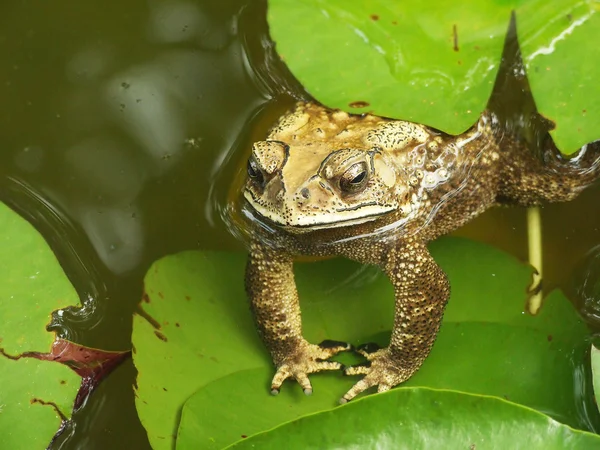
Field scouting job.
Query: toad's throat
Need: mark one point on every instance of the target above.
(303, 222)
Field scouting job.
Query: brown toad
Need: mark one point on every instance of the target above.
(377, 191)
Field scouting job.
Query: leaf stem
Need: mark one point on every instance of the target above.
(534, 240)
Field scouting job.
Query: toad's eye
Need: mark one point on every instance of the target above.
(254, 171)
(355, 178)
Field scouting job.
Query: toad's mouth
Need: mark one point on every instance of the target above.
(303, 222)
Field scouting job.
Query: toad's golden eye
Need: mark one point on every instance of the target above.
(355, 178)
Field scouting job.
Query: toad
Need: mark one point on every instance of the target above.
(376, 190)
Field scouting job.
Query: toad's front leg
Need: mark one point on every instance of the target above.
(274, 301)
(421, 291)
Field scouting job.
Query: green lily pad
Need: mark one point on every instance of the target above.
(243, 392)
(425, 418)
(40, 375)
(595, 359)
(34, 392)
(33, 285)
(437, 64)
(196, 339)
(558, 43)
(35, 395)
(396, 59)
(200, 329)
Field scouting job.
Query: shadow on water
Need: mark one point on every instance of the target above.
(124, 126)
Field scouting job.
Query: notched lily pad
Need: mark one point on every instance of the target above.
(437, 65)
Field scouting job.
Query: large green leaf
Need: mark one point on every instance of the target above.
(396, 58)
(558, 41)
(199, 330)
(245, 407)
(200, 339)
(424, 418)
(516, 363)
(33, 396)
(437, 64)
(33, 393)
(33, 285)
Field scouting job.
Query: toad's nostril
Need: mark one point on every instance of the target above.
(304, 192)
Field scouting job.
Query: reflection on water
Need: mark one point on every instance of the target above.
(123, 127)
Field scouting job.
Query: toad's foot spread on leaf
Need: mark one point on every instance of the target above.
(305, 359)
(381, 370)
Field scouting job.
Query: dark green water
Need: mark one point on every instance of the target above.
(122, 126)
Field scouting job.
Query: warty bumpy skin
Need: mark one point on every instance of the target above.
(377, 191)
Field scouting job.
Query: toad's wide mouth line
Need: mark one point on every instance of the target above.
(264, 214)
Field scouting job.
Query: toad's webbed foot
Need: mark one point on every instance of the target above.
(304, 359)
(381, 370)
